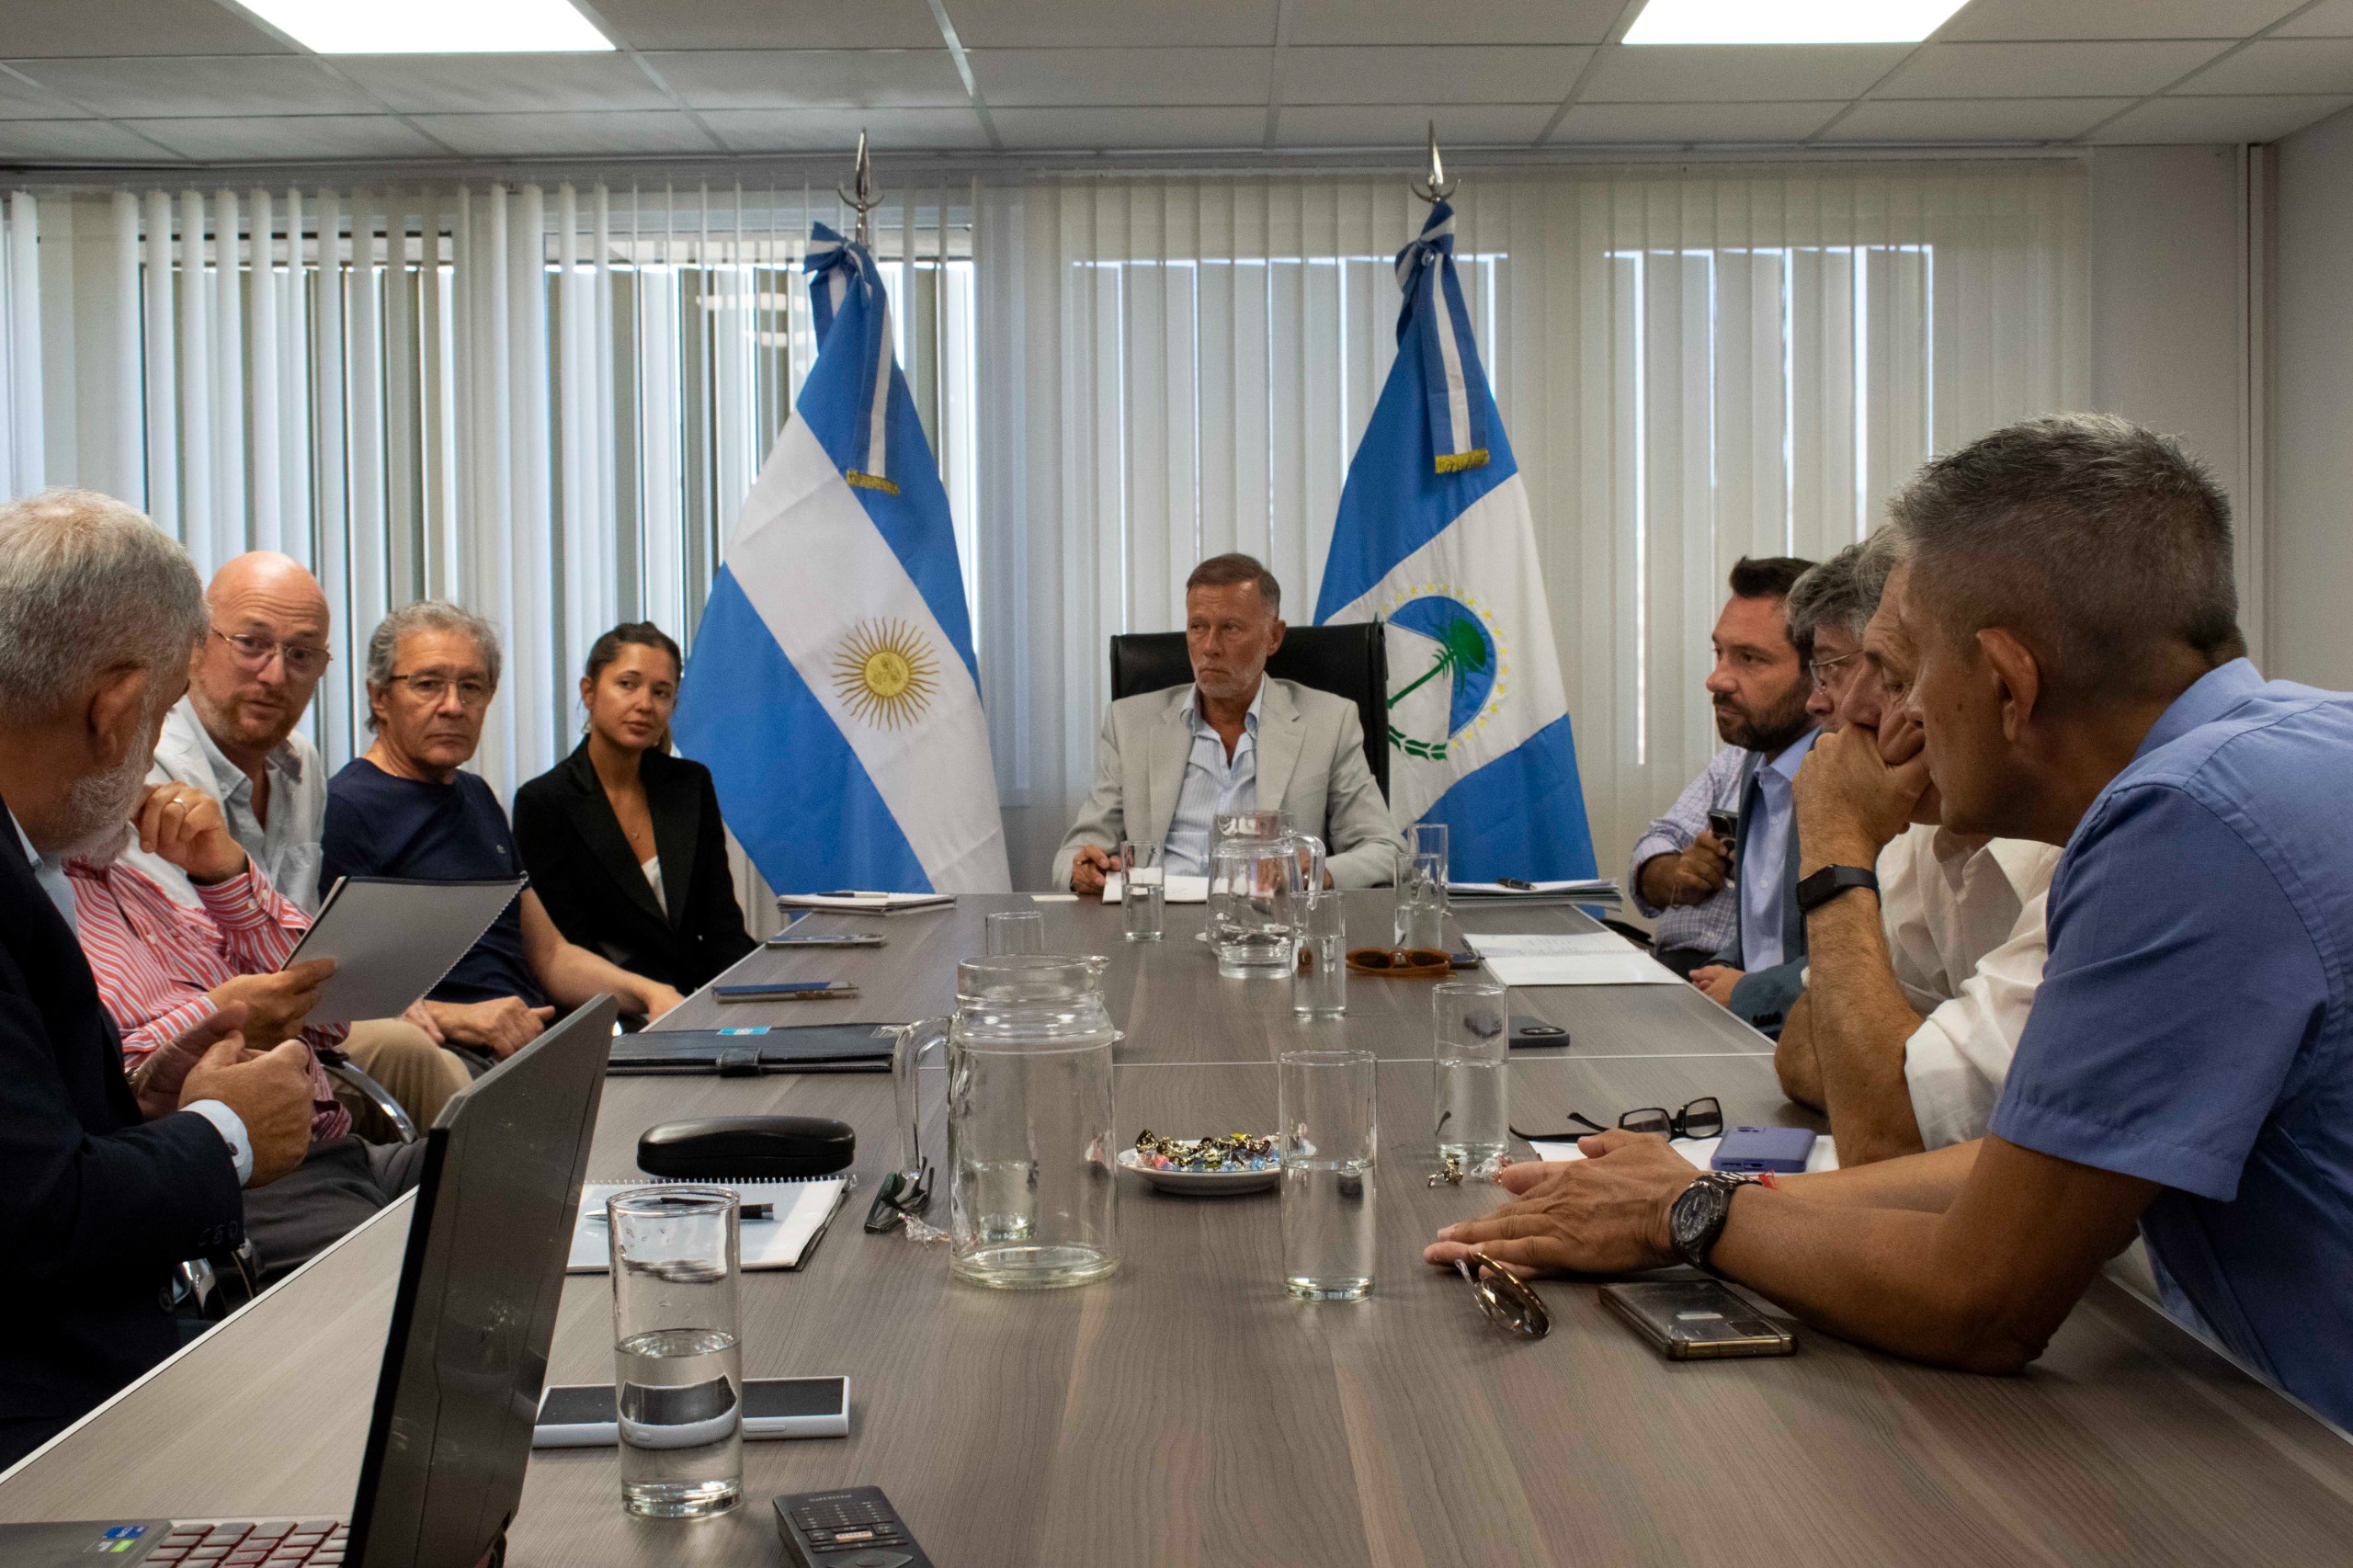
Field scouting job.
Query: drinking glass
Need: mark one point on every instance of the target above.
(1016, 931)
(1471, 1068)
(1421, 899)
(1145, 881)
(1319, 982)
(678, 1363)
(1429, 838)
(1328, 1141)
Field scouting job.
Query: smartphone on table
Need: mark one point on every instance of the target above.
(785, 991)
(584, 1416)
(1696, 1319)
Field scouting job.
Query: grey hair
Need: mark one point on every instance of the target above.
(88, 584)
(426, 615)
(1827, 594)
(2099, 544)
(1876, 559)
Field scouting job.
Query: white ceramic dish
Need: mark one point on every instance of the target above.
(1200, 1184)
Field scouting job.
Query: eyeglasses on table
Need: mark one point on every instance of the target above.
(1703, 1118)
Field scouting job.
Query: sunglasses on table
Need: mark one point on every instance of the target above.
(1703, 1118)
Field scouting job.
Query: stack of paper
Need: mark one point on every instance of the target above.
(800, 1211)
(847, 903)
(1177, 889)
(1595, 887)
(1583, 957)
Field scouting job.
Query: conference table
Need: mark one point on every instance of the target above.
(1186, 1412)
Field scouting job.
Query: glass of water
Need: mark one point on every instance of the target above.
(677, 1364)
(1471, 1064)
(1319, 982)
(1421, 900)
(1145, 889)
(1016, 931)
(1328, 1141)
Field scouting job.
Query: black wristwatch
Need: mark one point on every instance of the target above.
(1698, 1215)
(1830, 881)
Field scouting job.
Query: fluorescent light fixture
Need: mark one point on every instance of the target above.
(1790, 21)
(432, 26)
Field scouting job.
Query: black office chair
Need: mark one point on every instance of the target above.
(1349, 660)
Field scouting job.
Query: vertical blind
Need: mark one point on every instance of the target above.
(1692, 366)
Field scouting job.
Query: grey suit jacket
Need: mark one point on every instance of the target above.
(1310, 764)
(1763, 998)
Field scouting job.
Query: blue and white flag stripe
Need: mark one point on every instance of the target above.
(836, 266)
(1433, 312)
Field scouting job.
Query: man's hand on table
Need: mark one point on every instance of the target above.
(1089, 869)
(1604, 1214)
(1717, 980)
(502, 1025)
(655, 999)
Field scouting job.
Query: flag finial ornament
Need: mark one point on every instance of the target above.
(861, 196)
(1433, 186)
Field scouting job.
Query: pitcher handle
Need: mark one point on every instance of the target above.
(906, 1192)
(1313, 870)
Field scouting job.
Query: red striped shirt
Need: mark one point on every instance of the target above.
(157, 960)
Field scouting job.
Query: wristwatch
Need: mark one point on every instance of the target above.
(1830, 881)
(1700, 1212)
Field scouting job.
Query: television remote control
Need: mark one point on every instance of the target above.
(852, 1528)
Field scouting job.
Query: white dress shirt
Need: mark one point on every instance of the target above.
(1766, 855)
(1215, 785)
(287, 849)
(1965, 934)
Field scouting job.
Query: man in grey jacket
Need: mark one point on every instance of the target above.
(1170, 762)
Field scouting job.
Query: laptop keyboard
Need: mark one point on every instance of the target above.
(272, 1543)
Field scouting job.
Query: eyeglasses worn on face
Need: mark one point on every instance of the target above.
(1822, 667)
(433, 688)
(252, 652)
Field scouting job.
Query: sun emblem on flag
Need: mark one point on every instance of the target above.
(884, 673)
(1466, 667)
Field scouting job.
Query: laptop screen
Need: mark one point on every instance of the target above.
(479, 1289)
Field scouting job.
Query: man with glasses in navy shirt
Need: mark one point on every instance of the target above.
(2187, 1069)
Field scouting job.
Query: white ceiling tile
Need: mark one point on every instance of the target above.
(560, 135)
(1675, 125)
(75, 141)
(23, 100)
(1460, 21)
(1982, 120)
(1709, 73)
(291, 138)
(1112, 24)
(1454, 73)
(43, 27)
(461, 83)
(815, 78)
(1115, 129)
(1407, 125)
(827, 130)
(2331, 18)
(2280, 65)
(2114, 18)
(2219, 120)
(771, 24)
(201, 86)
(2118, 68)
(1049, 77)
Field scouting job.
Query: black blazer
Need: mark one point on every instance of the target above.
(96, 1206)
(581, 864)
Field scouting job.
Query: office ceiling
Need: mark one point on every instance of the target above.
(181, 82)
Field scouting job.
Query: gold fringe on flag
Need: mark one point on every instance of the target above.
(1447, 463)
(876, 481)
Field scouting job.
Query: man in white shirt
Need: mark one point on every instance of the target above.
(1914, 998)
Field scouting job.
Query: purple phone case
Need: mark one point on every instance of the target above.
(1776, 1149)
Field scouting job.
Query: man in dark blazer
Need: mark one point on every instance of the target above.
(104, 1184)
(589, 878)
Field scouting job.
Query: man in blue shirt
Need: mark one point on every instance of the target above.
(2189, 1065)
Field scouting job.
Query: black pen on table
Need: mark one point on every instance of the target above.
(743, 1211)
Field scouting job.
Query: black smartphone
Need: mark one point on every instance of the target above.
(582, 1416)
(786, 991)
(1527, 1029)
(826, 939)
(1725, 825)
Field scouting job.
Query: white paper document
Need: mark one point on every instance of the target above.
(1824, 1156)
(1567, 957)
(801, 1210)
(864, 902)
(392, 941)
(1180, 889)
(1600, 887)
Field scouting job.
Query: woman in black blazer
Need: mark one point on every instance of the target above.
(623, 841)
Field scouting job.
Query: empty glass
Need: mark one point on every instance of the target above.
(1145, 881)
(1472, 1074)
(1328, 1139)
(1319, 980)
(1016, 931)
(1421, 899)
(678, 1363)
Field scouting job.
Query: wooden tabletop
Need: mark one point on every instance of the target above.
(1184, 1410)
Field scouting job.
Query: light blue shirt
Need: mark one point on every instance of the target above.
(1766, 855)
(1215, 785)
(51, 875)
(2194, 1026)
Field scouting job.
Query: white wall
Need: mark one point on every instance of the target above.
(2312, 560)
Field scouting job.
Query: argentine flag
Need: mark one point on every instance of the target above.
(1434, 538)
(833, 691)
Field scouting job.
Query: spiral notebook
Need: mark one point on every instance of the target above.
(799, 1211)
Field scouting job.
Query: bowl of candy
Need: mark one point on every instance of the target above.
(1226, 1163)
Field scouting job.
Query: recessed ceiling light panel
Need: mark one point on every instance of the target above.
(1790, 21)
(432, 26)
